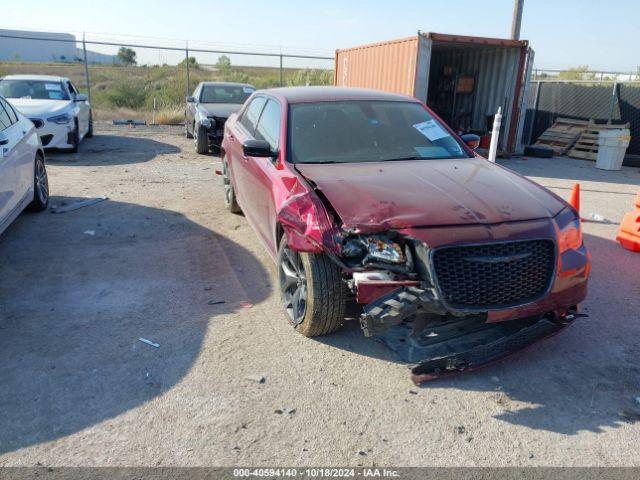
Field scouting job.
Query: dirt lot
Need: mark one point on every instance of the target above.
(78, 289)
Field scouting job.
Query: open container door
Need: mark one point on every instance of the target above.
(524, 101)
(423, 68)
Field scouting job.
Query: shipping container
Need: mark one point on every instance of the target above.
(463, 79)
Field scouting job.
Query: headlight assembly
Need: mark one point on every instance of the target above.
(373, 249)
(60, 119)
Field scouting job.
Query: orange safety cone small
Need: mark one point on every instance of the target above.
(574, 199)
(629, 232)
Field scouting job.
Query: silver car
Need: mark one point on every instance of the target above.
(23, 176)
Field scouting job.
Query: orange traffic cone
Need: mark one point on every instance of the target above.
(574, 199)
(629, 233)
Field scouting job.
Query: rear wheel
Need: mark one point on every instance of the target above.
(202, 142)
(229, 193)
(40, 186)
(312, 292)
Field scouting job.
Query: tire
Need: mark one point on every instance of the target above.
(187, 133)
(40, 186)
(317, 283)
(538, 151)
(90, 130)
(75, 139)
(202, 142)
(229, 193)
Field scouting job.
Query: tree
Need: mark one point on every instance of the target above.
(224, 63)
(577, 73)
(127, 56)
(193, 63)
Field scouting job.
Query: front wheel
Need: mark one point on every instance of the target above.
(202, 141)
(40, 186)
(89, 133)
(75, 138)
(312, 291)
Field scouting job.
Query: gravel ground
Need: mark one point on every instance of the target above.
(78, 289)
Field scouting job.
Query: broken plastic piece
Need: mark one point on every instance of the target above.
(149, 342)
(78, 205)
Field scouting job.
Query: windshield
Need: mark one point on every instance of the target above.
(367, 131)
(225, 94)
(33, 89)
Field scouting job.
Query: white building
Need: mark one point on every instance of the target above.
(54, 47)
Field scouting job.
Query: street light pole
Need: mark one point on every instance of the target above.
(517, 19)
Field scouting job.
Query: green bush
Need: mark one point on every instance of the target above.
(128, 94)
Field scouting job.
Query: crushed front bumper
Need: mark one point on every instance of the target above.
(413, 323)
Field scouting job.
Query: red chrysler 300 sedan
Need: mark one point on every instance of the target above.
(368, 196)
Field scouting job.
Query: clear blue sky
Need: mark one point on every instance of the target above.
(603, 35)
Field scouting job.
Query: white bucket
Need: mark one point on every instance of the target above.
(612, 145)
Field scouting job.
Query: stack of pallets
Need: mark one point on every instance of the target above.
(561, 136)
(586, 147)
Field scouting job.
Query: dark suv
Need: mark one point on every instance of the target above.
(208, 109)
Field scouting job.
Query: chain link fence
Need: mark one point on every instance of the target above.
(603, 102)
(148, 79)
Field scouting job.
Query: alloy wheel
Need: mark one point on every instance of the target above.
(42, 182)
(293, 285)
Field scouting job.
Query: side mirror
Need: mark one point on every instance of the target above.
(471, 140)
(258, 148)
(80, 97)
(190, 99)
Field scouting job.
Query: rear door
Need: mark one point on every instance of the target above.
(12, 190)
(243, 130)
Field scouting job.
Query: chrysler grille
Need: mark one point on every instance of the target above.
(494, 275)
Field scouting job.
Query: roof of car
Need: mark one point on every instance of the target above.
(229, 84)
(49, 78)
(334, 94)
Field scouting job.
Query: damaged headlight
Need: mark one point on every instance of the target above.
(569, 231)
(373, 249)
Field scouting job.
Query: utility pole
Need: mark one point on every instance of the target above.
(517, 19)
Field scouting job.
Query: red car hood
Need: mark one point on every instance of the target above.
(381, 195)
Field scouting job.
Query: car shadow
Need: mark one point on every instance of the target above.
(79, 289)
(584, 379)
(111, 150)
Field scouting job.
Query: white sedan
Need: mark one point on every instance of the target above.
(23, 176)
(61, 114)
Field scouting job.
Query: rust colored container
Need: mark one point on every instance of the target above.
(486, 73)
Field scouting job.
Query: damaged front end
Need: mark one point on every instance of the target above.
(454, 309)
(446, 299)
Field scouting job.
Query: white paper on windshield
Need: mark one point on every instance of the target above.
(431, 130)
(53, 86)
(248, 90)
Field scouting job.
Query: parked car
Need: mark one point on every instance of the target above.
(208, 109)
(368, 195)
(23, 175)
(61, 114)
